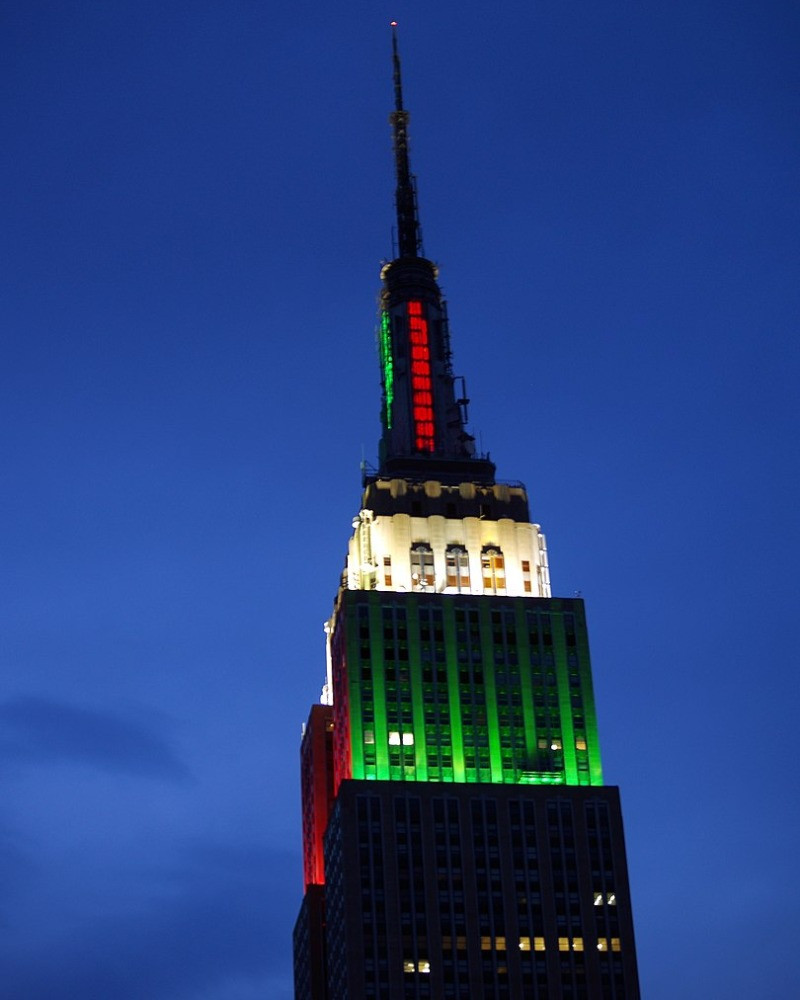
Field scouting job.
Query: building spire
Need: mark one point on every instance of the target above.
(424, 411)
(409, 239)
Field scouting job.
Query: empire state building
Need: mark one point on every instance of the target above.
(458, 839)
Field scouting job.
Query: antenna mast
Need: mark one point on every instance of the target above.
(408, 229)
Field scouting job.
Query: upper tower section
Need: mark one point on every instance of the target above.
(424, 418)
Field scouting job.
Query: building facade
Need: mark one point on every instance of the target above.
(458, 840)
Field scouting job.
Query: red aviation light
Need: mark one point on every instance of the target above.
(421, 381)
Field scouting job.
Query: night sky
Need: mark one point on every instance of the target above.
(195, 199)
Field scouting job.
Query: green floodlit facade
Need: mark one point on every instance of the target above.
(385, 342)
(462, 688)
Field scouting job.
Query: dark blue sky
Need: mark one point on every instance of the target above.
(195, 200)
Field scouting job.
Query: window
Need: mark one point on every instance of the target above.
(387, 571)
(421, 566)
(494, 570)
(526, 576)
(609, 897)
(457, 561)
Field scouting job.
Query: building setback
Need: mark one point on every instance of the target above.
(458, 840)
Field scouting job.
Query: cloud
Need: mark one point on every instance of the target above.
(214, 928)
(40, 730)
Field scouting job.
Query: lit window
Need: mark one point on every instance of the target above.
(421, 566)
(500, 943)
(486, 944)
(577, 944)
(526, 576)
(615, 945)
(408, 739)
(555, 745)
(409, 967)
(563, 944)
(457, 562)
(387, 571)
(394, 739)
(580, 744)
(524, 944)
(424, 966)
(602, 944)
(369, 736)
(538, 944)
(493, 567)
(609, 897)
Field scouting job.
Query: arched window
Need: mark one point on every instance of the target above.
(421, 566)
(457, 562)
(493, 567)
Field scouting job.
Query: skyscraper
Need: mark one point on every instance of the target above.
(458, 840)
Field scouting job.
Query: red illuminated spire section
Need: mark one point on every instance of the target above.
(421, 382)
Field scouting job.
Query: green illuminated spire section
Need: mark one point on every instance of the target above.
(387, 365)
(466, 689)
